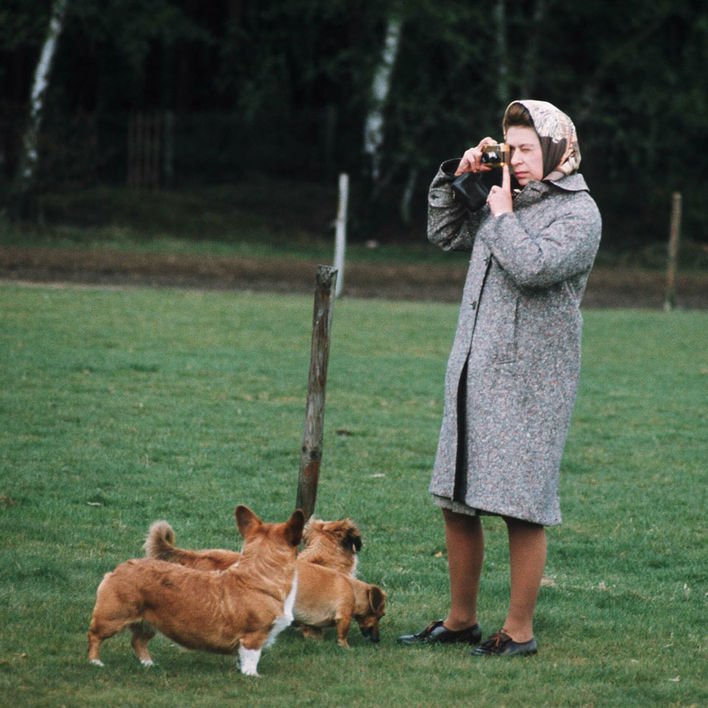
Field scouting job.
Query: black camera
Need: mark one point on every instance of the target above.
(470, 189)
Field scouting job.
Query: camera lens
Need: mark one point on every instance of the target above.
(491, 158)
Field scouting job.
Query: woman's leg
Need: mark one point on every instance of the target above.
(465, 554)
(527, 555)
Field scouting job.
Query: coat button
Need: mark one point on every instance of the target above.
(474, 304)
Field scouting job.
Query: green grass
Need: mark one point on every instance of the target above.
(119, 407)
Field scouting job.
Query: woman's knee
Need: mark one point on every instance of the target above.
(459, 521)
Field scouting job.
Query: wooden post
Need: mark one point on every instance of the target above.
(674, 238)
(132, 142)
(311, 452)
(340, 241)
(169, 158)
(144, 150)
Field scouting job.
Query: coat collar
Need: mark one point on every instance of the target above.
(540, 189)
(572, 183)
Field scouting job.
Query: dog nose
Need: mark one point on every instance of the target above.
(371, 633)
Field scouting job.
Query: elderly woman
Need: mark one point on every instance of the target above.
(513, 371)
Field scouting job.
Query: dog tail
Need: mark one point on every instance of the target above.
(160, 541)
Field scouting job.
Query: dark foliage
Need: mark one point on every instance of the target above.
(283, 88)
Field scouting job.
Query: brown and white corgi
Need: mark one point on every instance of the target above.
(239, 610)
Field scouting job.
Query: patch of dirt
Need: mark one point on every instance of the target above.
(608, 287)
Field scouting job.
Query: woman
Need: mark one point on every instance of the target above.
(513, 371)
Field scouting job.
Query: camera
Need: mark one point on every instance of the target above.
(496, 155)
(470, 190)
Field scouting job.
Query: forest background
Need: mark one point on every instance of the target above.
(247, 92)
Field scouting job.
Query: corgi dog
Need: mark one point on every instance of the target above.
(333, 544)
(327, 594)
(238, 610)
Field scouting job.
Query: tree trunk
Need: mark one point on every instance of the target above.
(380, 87)
(23, 198)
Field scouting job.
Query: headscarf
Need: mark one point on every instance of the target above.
(559, 141)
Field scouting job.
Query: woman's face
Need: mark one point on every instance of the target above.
(526, 155)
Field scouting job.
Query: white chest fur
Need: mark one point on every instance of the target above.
(285, 620)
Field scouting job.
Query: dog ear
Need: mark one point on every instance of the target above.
(245, 518)
(377, 598)
(294, 527)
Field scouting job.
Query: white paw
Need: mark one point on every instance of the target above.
(147, 662)
(248, 661)
(97, 662)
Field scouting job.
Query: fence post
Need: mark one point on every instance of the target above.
(311, 452)
(674, 237)
(144, 149)
(169, 158)
(340, 239)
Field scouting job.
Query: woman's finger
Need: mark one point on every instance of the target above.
(506, 178)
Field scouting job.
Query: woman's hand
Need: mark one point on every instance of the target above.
(499, 199)
(472, 159)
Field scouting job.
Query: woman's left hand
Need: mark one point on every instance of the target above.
(499, 198)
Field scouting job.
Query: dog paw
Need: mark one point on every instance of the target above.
(97, 662)
(147, 662)
(248, 661)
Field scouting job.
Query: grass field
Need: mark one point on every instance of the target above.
(119, 407)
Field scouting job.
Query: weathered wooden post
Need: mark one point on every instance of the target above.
(144, 149)
(311, 452)
(674, 237)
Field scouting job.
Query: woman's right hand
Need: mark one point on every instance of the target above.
(472, 159)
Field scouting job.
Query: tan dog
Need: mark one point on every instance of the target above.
(326, 597)
(241, 609)
(333, 544)
(327, 593)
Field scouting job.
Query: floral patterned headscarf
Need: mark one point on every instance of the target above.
(559, 141)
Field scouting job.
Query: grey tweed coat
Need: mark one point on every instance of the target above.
(517, 345)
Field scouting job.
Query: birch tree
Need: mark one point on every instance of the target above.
(380, 88)
(29, 157)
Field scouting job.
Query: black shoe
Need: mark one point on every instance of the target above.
(437, 633)
(501, 644)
